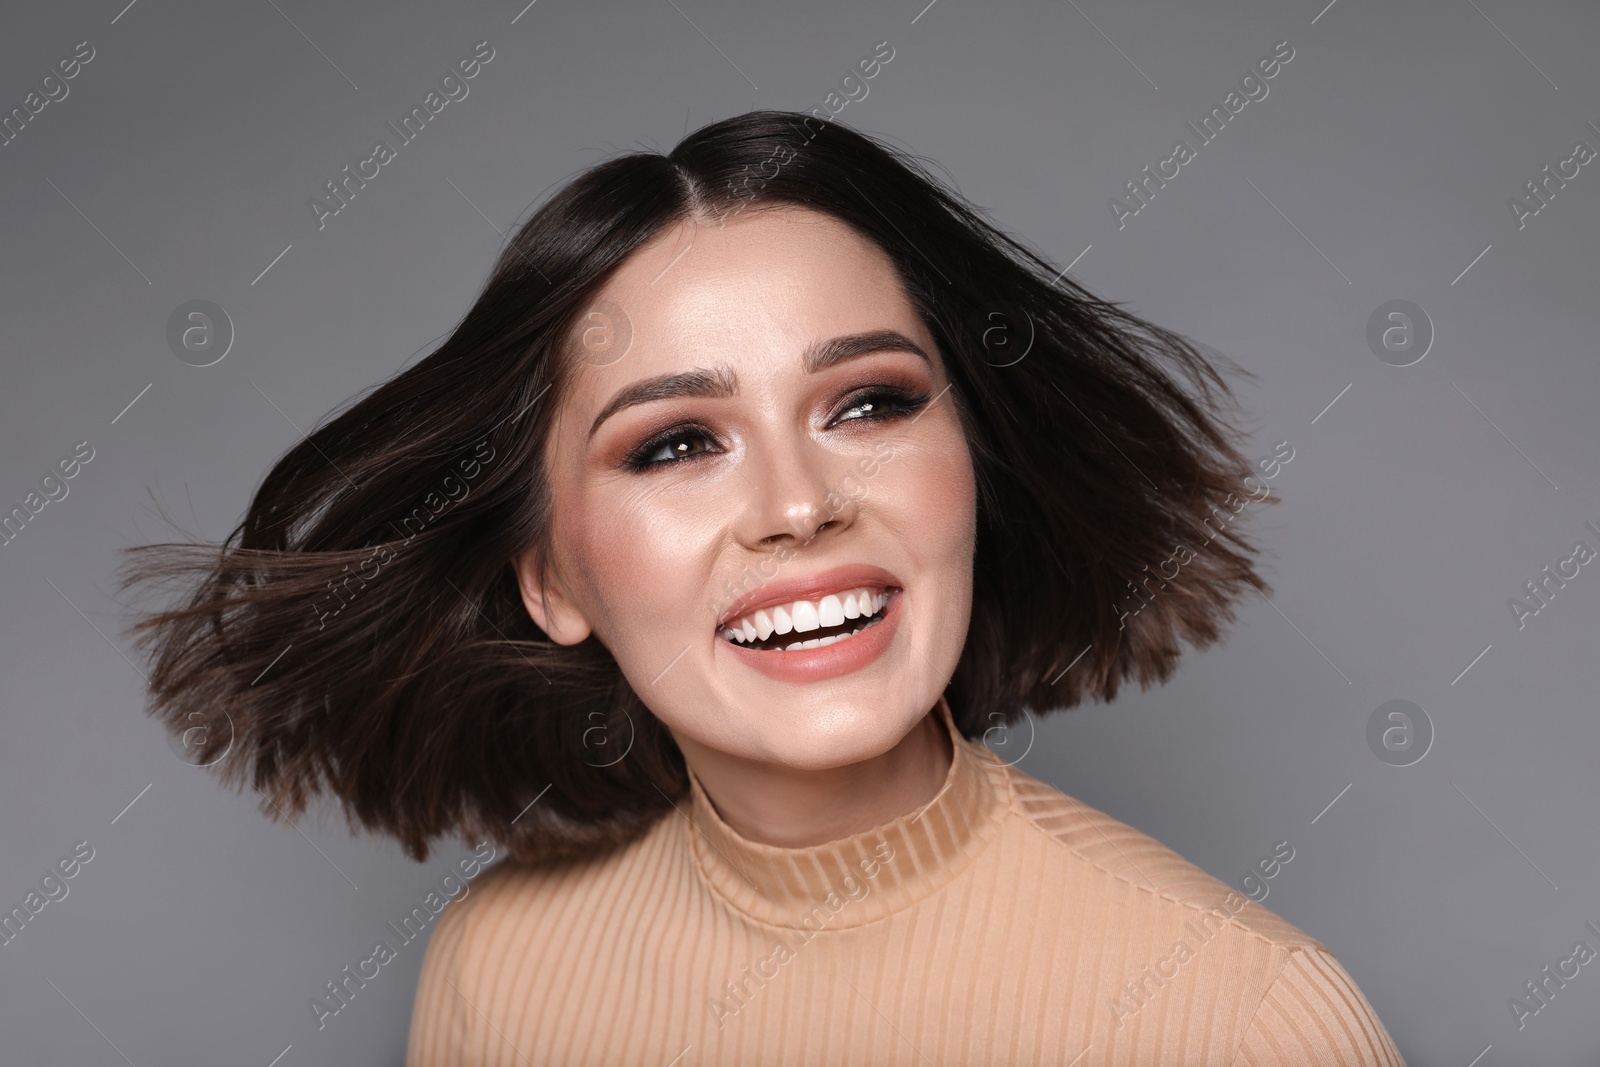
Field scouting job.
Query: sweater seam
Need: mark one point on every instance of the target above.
(1308, 942)
(1256, 1015)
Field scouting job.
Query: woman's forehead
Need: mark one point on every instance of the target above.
(802, 260)
(753, 294)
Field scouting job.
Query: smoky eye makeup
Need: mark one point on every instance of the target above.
(668, 447)
(685, 441)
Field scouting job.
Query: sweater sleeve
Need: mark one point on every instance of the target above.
(1314, 1014)
(440, 1015)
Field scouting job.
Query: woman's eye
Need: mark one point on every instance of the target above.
(687, 442)
(672, 447)
(882, 403)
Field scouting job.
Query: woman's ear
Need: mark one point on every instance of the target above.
(551, 609)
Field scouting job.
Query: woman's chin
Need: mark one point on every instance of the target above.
(810, 734)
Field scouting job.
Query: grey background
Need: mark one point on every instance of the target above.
(1415, 505)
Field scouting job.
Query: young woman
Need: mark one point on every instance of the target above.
(762, 479)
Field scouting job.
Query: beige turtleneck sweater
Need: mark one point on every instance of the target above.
(1002, 923)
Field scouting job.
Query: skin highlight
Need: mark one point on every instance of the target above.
(751, 465)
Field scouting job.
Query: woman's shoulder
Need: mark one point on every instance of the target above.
(513, 886)
(485, 935)
(1142, 891)
(1141, 866)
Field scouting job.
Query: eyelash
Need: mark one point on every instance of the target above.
(896, 401)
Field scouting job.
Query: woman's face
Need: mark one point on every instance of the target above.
(758, 438)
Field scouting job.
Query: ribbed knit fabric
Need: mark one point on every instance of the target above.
(1002, 923)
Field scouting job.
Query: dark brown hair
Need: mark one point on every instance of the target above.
(361, 632)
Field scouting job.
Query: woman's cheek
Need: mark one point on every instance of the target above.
(649, 560)
(946, 493)
(928, 499)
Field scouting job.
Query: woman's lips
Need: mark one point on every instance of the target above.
(836, 580)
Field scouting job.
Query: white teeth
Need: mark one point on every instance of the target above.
(802, 616)
(805, 616)
(817, 642)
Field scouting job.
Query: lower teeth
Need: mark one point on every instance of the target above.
(819, 642)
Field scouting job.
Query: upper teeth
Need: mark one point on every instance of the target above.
(803, 615)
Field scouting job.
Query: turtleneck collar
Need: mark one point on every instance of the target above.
(866, 876)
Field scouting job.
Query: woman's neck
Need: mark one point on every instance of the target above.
(793, 808)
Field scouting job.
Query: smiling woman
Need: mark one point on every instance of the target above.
(712, 639)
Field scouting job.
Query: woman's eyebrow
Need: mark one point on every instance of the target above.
(825, 354)
(723, 382)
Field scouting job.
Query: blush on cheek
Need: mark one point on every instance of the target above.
(927, 495)
(946, 490)
(634, 565)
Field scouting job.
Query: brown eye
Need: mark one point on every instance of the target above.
(674, 446)
(882, 402)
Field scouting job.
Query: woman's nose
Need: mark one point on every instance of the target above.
(794, 493)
